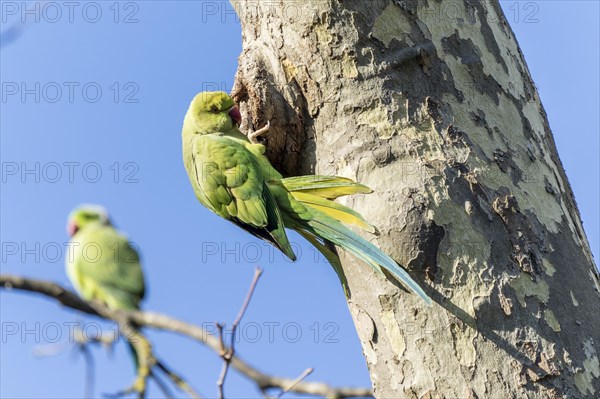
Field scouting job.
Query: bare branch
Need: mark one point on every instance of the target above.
(166, 323)
(79, 345)
(89, 371)
(178, 381)
(257, 273)
(224, 354)
(227, 354)
(161, 385)
(302, 376)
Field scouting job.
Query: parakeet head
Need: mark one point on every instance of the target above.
(86, 214)
(213, 112)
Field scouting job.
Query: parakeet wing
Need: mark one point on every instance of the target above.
(229, 181)
(104, 266)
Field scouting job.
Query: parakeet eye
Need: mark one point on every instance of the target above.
(214, 109)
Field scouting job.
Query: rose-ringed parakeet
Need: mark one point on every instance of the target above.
(104, 267)
(232, 177)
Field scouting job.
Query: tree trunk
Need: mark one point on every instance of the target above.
(431, 104)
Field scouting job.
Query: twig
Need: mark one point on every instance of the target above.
(224, 353)
(178, 381)
(51, 349)
(89, 371)
(80, 343)
(302, 376)
(227, 354)
(161, 385)
(166, 323)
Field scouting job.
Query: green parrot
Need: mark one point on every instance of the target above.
(104, 267)
(101, 263)
(232, 177)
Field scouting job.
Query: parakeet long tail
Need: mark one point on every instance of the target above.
(319, 191)
(330, 187)
(328, 250)
(330, 229)
(326, 225)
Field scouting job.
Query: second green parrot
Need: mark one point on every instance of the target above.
(232, 177)
(104, 267)
(101, 263)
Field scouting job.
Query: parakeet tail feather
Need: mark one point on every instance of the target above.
(330, 187)
(329, 229)
(325, 247)
(335, 210)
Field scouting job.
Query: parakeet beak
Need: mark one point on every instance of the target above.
(235, 115)
(72, 228)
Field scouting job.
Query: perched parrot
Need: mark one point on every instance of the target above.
(104, 267)
(232, 177)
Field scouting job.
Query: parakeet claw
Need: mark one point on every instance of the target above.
(139, 385)
(253, 136)
(138, 388)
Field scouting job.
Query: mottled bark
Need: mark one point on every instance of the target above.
(432, 105)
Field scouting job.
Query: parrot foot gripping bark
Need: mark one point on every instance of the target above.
(254, 136)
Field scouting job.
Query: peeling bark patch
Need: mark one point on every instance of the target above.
(549, 364)
(431, 395)
(375, 116)
(391, 24)
(430, 235)
(525, 241)
(505, 303)
(541, 364)
(382, 155)
(392, 329)
(469, 55)
(349, 70)
(459, 274)
(573, 300)
(520, 377)
(461, 170)
(462, 341)
(409, 6)
(528, 131)
(551, 320)
(548, 267)
(365, 326)
(469, 208)
(550, 189)
(480, 121)
(524, 287)
(457, 137)
(507, 165)
(486, 31)
(591, 369)
(439, 112)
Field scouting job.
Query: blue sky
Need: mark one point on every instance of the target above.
(106, 129)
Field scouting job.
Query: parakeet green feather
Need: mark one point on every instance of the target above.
(232, 177)
(101, 263)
